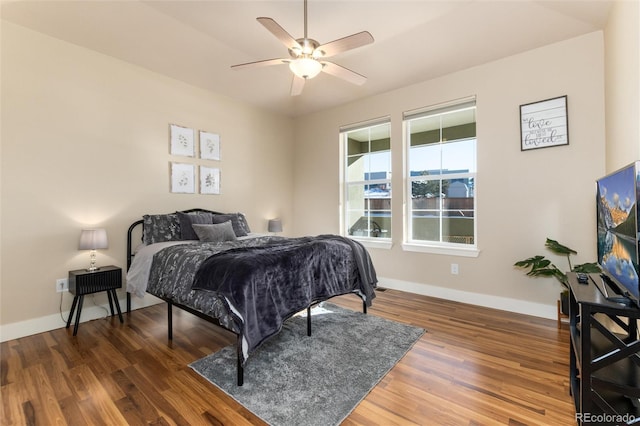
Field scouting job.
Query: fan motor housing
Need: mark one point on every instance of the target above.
(308, 46)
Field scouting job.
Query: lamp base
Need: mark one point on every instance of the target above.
(92, 264)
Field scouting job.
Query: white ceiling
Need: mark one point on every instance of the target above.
(197, 41)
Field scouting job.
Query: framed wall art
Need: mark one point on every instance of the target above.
(181, 141)
(544, 124)
(209, 146)
(209, 180)
(183, 178)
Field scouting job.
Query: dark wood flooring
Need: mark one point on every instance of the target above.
(474, 366)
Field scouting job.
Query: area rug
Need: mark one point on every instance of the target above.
(293, 379)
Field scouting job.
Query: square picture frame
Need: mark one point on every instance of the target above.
(209, 180)
(544, 124)
(181, 141)
(209, 146)
(183, 179)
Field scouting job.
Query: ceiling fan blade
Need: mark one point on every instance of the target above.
(280, 33)
(297, 85)
(343, 73)
(265, 63)
(343, 44)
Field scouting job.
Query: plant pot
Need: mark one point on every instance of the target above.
(564, 302)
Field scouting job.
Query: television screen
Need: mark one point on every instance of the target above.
(618, 227)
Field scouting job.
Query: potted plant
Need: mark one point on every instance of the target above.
(539, 266)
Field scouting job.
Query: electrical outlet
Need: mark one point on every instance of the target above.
(62, 284)
(454, 268)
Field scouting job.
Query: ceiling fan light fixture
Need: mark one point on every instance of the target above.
(305, 67)
(307, 56)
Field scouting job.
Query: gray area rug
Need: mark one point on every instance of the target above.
(293, 379)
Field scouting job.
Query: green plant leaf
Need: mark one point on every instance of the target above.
(542, 267)
(558, 248)
(547, 272)
(535, 261)
(587, 268)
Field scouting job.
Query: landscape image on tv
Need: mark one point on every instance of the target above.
(618, 228)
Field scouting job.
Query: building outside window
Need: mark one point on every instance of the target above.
(367, 180)
(441, 175)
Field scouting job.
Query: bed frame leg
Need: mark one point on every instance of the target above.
(364, 307)
(128, 302)
(240, 368)
(308, 320)
(170, 320)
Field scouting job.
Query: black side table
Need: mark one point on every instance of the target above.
(81, 282)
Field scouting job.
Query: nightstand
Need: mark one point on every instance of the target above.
(82, 282)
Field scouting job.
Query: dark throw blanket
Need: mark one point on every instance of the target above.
(266, 285)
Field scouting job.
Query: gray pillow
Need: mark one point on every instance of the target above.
(215, 233)
(188, 219)
(238, 221)
(160, 227)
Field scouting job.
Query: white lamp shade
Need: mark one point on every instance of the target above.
(275, 225)
(305, 67)
(93, 239)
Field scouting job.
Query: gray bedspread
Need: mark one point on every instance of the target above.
(253, 286)
(266, 285)
(173, 270)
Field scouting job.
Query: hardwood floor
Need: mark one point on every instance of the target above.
(474, 366)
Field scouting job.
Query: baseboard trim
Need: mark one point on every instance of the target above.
(33, 326)
(51, 322)
(488, 301)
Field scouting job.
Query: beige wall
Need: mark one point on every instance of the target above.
(622, 87)
(85, 142)
(62, 104)
(523, 197)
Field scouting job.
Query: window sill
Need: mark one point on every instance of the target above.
(451, 251)
(374, 243)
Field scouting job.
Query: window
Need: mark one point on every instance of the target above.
(441, 176)
(367, 180)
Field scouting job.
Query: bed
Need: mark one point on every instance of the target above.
(211, 265)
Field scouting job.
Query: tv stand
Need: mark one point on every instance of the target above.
(604, 365)
(621, 300)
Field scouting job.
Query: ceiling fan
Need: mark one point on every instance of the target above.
(307, 56)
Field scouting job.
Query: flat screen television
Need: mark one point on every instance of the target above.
(618, 233)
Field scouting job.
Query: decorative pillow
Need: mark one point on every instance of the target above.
(188, 219)
(242, 221)
(238, 221)
(160, 227)
(215, 233)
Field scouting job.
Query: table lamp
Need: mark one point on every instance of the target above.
(93, 239)
(275, 225)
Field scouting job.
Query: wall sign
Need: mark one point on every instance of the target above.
(544, 124)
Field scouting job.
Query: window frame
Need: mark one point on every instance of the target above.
(346, 184)
(432, 246)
